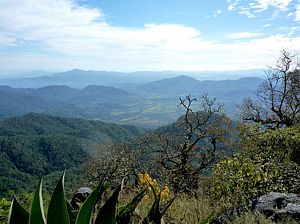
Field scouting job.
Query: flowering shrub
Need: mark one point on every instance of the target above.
(147, 181)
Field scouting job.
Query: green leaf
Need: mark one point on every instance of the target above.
(71, 212)
(154, 214)
(86, 210)
(58, 212)
(17, 214)
(37, 211)
(165, 207)
(126, 211)
(107, 213)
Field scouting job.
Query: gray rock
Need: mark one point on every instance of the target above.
(84, 190)
(279, 205)
(80, 196)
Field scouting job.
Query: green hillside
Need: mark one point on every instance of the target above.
(36, 144)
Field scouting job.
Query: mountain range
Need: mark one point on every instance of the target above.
(146, 104)
(80, 78)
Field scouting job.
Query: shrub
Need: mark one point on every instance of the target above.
(267, 162)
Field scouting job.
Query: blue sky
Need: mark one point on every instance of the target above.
(157, 35)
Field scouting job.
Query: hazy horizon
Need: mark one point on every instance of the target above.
(200, 75)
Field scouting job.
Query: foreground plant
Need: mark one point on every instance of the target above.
(269, 160)
(60, 211)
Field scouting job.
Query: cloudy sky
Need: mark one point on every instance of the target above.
(156, 35)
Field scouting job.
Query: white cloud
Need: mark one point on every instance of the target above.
(243, 35)
(297, 13)
(217, 12)
(66, 36)
(246, 11)
(262, 5)
(290, 14)
(253, 7)
(230, 8)
(232, 4)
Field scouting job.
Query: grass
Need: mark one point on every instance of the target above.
(188, 209)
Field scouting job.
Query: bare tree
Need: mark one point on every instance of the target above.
(277, 102)
(181, 153)
(112, 163)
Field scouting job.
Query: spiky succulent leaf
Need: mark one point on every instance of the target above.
(17, 214)
(165, 207)
(85, 212)
(154, 215)
(156, 212)
(107, 213)
(57, 211)
(37, 210)
(72, 214)
(126, 211)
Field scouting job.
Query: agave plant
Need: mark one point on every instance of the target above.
(61, 212)
(157, 211)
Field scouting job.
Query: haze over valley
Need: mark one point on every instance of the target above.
(145, 99)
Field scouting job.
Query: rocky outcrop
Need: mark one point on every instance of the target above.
(80, 196)
(278, 206)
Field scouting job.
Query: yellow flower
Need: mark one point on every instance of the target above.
(147, 181)
(165, 192)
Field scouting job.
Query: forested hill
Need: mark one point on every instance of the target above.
(36, 144)
(40, 124)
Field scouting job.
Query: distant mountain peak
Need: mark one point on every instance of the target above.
(181, 78)
(100, 87)
(176, 86)
(76, 70)
(185, 77)
(251, 78)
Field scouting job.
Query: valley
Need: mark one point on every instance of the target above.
(128, 101)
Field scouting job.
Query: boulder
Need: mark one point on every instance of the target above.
(279, 205)
(80, 196)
